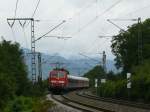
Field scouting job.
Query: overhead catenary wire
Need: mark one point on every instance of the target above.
(78, 12)
(88, 57)
(75, 14)
(60, 49)
(16, 7)
(116, 25)
(36, 8)
(99, 15)
(93, 45)
(109, 20)
(97, 45)
(96, 8)
(11, 24)
(50, 30)
(132, 12)
(59, 37)
(34, 12)
(137, 10)
(82, 9)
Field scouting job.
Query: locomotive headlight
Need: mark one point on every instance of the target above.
(53, 81)
(61, 81)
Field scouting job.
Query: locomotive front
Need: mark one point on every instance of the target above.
(57, 79)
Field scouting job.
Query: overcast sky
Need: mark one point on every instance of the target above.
(85, 21)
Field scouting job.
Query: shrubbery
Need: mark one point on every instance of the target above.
(125, 48)
(17, 93)
(28, 104)
(140, 90)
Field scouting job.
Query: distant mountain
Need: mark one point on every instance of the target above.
(76, 66)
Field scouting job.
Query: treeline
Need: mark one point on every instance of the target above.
(17, 94)
(140, 87)
(125, 48)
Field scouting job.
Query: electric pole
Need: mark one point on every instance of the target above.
(140, 43)
(33, 58)
(39, 67)
(104, 61)
(139, 38)
(103, 79)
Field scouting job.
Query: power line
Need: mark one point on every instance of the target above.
(82, 9)
(91, 46)
(33, 58)
(50, 30)
(36, 8)
(99, 15)
(138, 10)
(116, 3)
(96, 7)
(76, 13)
(37, 5)
(116, 25)
(139, 39)
(135, 11)
(12, 23)
(16, 8)
(88, 57)
(59, 37)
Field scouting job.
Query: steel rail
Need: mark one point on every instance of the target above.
(65, 103)
(116, 101)
(87, 105)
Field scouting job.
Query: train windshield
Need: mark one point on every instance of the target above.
(60, 74)
(57, 75)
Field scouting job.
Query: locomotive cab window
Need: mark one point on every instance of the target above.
(60, 74)
(54, 75)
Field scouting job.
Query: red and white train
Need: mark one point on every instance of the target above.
(59, 79)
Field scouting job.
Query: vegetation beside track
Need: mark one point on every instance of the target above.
(17, 93)
(125, 48)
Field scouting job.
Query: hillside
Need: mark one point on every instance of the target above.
(76, 65)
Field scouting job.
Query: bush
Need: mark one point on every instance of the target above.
(7, 89)
(107, 89)
(14, 81)
(140, 88)
(28, 104)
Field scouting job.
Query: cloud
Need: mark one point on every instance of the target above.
(78, 14)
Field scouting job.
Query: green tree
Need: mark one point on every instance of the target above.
(125, 46)
(11, 62)
(141, 82)
(16, 90)
(7, 89)
(96, 73)
(13, 75)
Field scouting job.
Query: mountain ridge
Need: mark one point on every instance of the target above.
(76, 66)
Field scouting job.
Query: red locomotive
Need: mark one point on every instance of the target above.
(59, 79)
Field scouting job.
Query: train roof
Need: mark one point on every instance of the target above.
(77, 78)
(59, 70)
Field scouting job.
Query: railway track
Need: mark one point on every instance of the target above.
(73, 97)
(116, 101)
(91, 103)
(77, 104)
